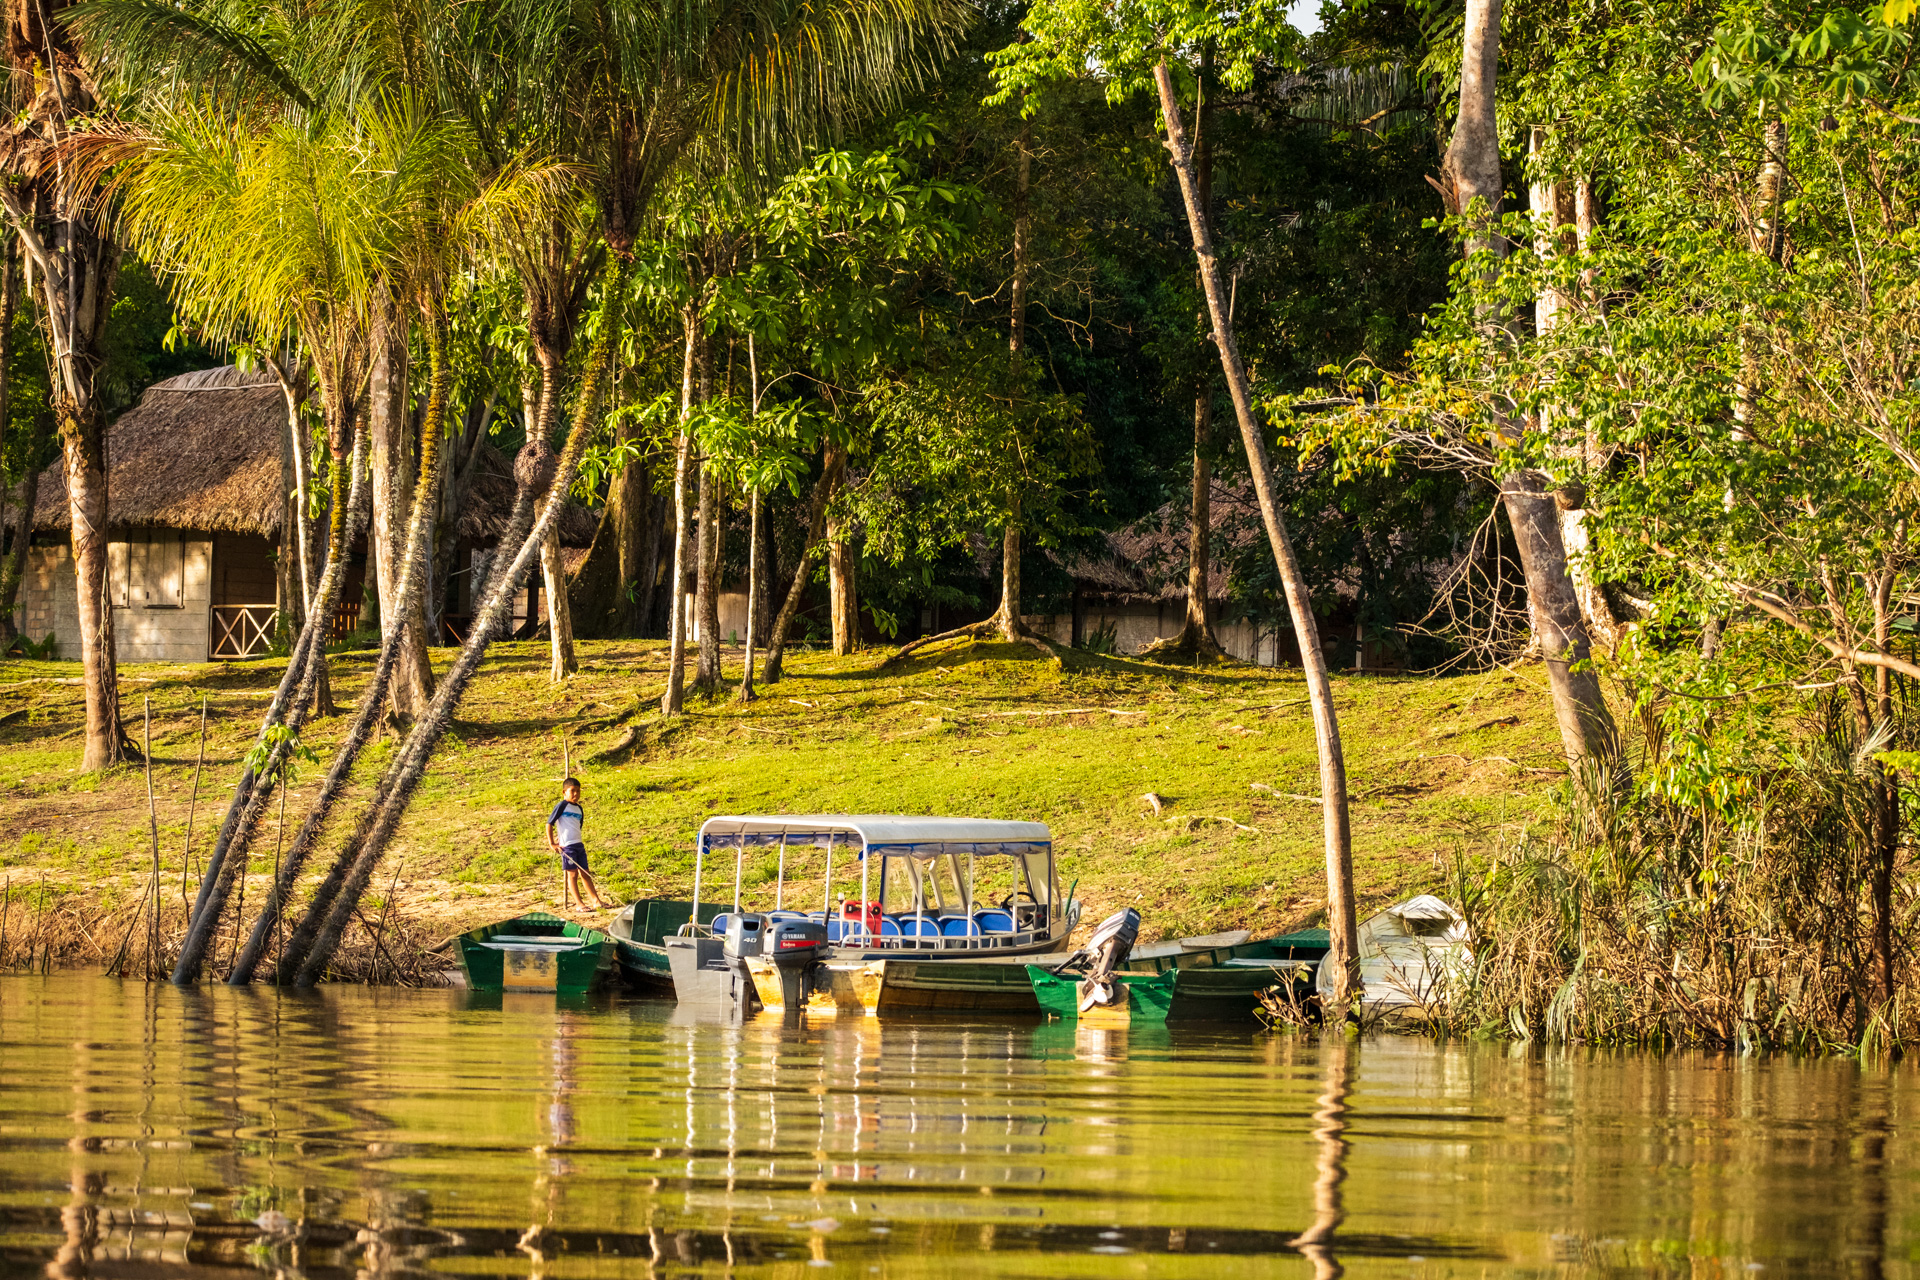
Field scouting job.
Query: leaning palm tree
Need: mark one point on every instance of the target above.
(633, 90)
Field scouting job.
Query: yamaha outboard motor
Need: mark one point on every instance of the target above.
(796, 947)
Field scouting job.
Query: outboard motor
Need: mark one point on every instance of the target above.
(796, 947)
(1110, 944)
(746, 933)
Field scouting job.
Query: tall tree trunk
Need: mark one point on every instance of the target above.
(1555, 222)
(1472, 165)
(843, 606)
(375, 832)
(13, 565)
(833, 464)
(706, 590)
(648, 602)
(631, 511)
(553, 574)
(1009, 618)
(674, 698)
(1333, 768)
(75, 264)
(755, 586)
(1196, 635)
(420, 523)
(395, 456)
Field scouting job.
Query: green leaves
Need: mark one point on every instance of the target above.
(1120, 43)
(1845, 57)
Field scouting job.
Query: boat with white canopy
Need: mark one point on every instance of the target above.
(890, 885)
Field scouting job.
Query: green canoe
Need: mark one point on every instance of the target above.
(536, 952)
(1227, 992)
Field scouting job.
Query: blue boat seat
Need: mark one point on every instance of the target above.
(912, 926)
(889, 927)
(788, 915)
(994, 921)
(720, 923)
(959, 927)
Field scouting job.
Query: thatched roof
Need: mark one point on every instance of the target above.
(202, 452)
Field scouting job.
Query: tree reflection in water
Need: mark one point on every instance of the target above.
(1330, 1161)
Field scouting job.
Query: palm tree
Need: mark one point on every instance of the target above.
(636, 90)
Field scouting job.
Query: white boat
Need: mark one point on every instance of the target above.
(1411, 955)
(894, 887)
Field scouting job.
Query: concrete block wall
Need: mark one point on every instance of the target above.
(46, 603)
(170, 635)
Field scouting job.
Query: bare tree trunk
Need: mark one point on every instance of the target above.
(1333, 769)
(1008, 619)
(13, 566)
(673, 699)
(1196, 636)
(706, 590)
(395, 456)
(832, 465)
(1554, 216)
(754, 586)
(842, 605)
(1472, 165)
(553, 573)
(631, 504)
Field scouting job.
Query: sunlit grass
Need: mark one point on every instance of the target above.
(1436, 768)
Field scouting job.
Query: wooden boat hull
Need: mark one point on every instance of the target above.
(513, 956)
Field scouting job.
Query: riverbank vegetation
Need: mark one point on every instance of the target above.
(1230, 837)
(1561, 342)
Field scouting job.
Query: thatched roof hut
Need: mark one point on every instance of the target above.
(200, 451)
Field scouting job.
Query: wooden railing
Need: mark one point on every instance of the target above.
(242, 630)
(346, 620)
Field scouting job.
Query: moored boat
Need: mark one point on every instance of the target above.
(640, 931)
(536, 952)
(935, 891)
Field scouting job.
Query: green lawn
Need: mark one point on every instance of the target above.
(1438, 768)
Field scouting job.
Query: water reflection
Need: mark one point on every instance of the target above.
(153, 1132)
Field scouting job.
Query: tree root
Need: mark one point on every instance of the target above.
(1196, 643)
(989, 629)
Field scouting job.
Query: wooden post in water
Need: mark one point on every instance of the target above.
(186, 850)
(152, 897)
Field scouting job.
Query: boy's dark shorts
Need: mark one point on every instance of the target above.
(573, 857)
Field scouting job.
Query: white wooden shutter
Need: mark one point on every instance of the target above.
(117, 574)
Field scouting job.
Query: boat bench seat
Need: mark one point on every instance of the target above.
(909, 925)
(960, 927)
(994, 921)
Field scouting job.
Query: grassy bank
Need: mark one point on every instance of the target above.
(1438, 768)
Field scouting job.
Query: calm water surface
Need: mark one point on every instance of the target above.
(153, 1132)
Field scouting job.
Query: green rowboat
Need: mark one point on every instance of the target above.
(536, 952)
(1225, 992)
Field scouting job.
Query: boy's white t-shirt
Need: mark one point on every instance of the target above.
(565, 821)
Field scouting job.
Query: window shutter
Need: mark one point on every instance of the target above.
(117, 574)
(166, 568)
(139, 596)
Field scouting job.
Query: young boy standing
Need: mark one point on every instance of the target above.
(563, 835)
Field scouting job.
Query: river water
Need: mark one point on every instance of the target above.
(146, 1131)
